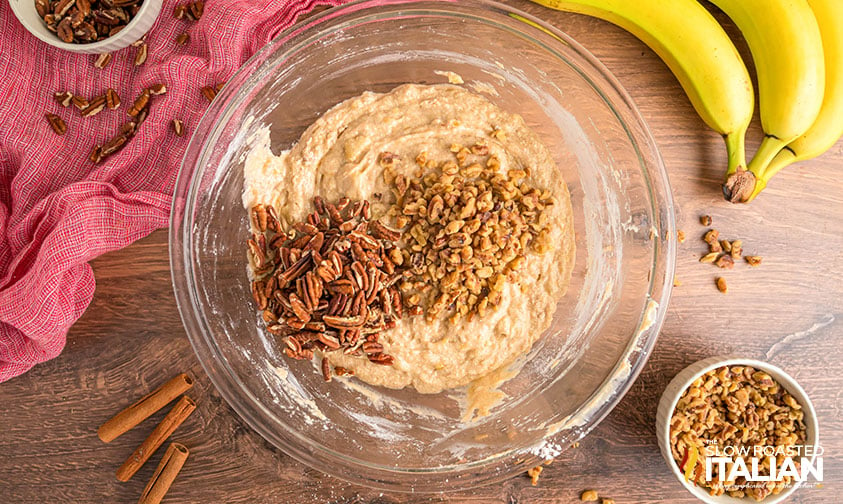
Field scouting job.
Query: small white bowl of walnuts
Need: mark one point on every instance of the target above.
(734, 429)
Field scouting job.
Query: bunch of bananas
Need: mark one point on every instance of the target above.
(797, 47)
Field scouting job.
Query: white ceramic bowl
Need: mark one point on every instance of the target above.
(137, 27)
(683, 380)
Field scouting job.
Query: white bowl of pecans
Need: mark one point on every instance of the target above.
(87, 26)
(734, 429)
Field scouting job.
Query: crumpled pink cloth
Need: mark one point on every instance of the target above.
(57, 209)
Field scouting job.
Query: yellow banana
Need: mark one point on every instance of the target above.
(786, 46)
(698, 52)
(828, 126)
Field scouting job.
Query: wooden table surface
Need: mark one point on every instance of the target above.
(788, 311)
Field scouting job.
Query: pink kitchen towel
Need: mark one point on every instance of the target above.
(58, 210)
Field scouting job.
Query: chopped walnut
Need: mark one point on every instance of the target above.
(710, 257)
(468, 226)
(737, 249)
(725, 262)
(753, 260)
(723, 253)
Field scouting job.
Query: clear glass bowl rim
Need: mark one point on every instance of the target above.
(225, 380)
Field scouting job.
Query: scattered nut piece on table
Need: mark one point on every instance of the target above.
(534, 474)
(588, 496)
(753, 260)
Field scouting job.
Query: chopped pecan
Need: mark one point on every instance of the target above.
(113, 145)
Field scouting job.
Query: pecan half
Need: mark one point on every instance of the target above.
(84, 7)
(209, 93)
(94, 107)
(64, 30)
(141, 54)
(338, 322)
(85, 33)
(96, 154)
(102, 60)
(57, 123)
(140, 103)
(326, 369)
(178, 127)
(61, 7)
(380, 358)
(197, 8)
(112, 99)
(113, 145)
(42, 7)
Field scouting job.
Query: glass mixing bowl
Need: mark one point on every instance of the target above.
(603, 329)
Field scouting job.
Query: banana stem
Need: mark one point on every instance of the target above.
(736, 150)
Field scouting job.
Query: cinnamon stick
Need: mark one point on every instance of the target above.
(144, 407)
(162, 431)
(164, 475)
